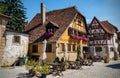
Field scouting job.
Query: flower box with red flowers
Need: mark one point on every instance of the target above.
(49, 34)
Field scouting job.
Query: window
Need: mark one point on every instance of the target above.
(69, 47)
(95, 27)
(63, 47)
(16, 39)
(85, 49)
(51, 30)
(75, 32)
(99, 37)
(74, 47)
(35, 48)
(116, 40)
(111, 49)
(98, 49)
(70, 31)
(49, 48)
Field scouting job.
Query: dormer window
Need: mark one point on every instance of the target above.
(51, 29)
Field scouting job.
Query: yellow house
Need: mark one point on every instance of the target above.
(64, 30)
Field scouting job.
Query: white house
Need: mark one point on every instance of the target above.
(103, 38)
(13, 44)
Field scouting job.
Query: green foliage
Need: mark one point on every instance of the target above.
(3, 7)
(62, 59)
(57, 60)
(15, 9)
(38, 67)
(78, 51)
(31, 64)
(45, 69)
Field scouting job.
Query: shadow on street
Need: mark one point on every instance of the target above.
(114, 66)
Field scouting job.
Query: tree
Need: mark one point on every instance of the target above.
(15, 9)
(3, 7)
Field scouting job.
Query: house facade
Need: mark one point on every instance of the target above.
(103, 38)
(118, 35)
(13, 44)
(63, 29)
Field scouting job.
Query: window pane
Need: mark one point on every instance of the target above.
(63, 48)
(69, 47)
(35, 48)
(49, 48)
(74, 47)
(98, 49)
(16, 39)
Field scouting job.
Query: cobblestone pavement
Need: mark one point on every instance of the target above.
(99, 70)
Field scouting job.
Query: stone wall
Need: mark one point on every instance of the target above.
(12, 50)
(2, 41)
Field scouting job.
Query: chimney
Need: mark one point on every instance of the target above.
(43, 13)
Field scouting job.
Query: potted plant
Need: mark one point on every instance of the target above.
(106, 59)
(33, 67)
(45, 70)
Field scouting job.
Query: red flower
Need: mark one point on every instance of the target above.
(48, 34)
(73, 36)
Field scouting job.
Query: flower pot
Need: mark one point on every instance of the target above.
(44, 75)
(34, 73)
(107, 59)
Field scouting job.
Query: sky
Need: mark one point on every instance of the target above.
(103, 9)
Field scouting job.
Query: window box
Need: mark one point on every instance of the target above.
(73, 36)
(49, 34)
(79, 38)
(85, 39)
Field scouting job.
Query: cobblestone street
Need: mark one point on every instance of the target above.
(99, 70)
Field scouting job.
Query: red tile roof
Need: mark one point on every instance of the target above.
(109, 27)
(2, 15)
(62, 18)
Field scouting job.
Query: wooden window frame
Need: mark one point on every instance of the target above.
(49, 48)
(16, 39)
(74, 47)
(34, 48)
(69, 47)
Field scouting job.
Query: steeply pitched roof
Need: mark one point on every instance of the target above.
(62, 18)
(108, 27)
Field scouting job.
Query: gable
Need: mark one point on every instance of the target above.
(95, 27)
(104, 25)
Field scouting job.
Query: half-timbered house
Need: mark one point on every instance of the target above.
(103, 38)
(64, 29)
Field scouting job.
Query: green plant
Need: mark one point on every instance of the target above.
(45, 69)
(57, 60)
(66, 64)
(78, 51)
(62, 59)
(32, 64)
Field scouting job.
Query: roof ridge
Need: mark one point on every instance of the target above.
(61, 9)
